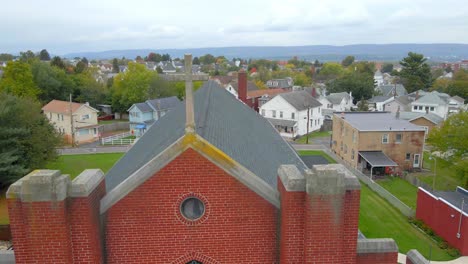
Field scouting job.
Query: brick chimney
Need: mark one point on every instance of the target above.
(242, 85)
(314, 92)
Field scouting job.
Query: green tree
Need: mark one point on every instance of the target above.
(416, 73)
(132, 86)
(196, 61)
(360, 84)
(87, 89)
(363, 67)
(27, 139)
(330, 71)
(154, 57)
(387, 67)
(166, 57)
(44, 55)
(6, 57)
(362, 106)
(459, 85)
(53, 82)
(347, 61)
(27, 56)
(207, 59)
(301, 79)
(18, 80)
(115, 66)
(80, 67)
(58, 62)
(450, 138)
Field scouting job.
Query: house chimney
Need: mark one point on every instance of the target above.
(417, 95)
(314, 92)
(242, 85)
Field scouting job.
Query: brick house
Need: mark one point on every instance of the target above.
(85, 123)
(446, 213)
(377, 142)
(196, 188)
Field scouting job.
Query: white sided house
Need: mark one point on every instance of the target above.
(291, 113)
(337, 102)
(85, 124)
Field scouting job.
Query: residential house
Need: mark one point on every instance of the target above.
(377, 103)
(293, 114)
(123, 68)
(425, 120)
(81, 121)
(389, 103)
(233, 88)
(377, 142)
(143, 115)
(391, 90)
(337, 101)
(434, 102)
(286, 83)
(378, 78)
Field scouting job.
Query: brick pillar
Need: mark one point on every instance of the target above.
(86, 193)
(54, 220)
(291, 187)
(331, 217)
(37, 206)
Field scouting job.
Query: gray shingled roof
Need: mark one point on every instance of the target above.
(251, 86)
(458, 98)
(378, 121)
(300, 100)
(433, 98)
(225, 122)
(387, 90)
(404, 99)
(163, 103)
(144, 107)
(379, 99)
(434, 118)
(336, 98)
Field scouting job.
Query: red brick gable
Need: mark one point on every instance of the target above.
(238, 223)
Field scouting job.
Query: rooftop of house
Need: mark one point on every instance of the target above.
(458, 99)
(279, 83)
(376, 121)
(251, 86)
(265, 92)
(434, 98)
(404, 99)
(378, 73)
(63, 107)
(392, 89)
(223, 80)
(336, 98)
(379, 99)
(436, 119)
(157, 104)
(245, 129)
(300, 100)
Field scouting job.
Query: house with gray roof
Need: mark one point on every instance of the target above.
(434, 102)
(337, 101)
(143, 115)
(389, 103)
(293, 114)
(391, 90)
(286, 83)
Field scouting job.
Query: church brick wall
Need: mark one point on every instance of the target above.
(145, 226)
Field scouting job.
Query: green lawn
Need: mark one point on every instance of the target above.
(316, 153)
(378, 219)
(75, 164)
(446, 179)
(402, 189)
(313, 135)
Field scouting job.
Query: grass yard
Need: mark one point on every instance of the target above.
(316, 153)
(75, 164)
(302, 140)
(446, 179)
(378, 219)
(403, 190)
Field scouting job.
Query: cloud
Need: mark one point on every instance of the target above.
(125, 33)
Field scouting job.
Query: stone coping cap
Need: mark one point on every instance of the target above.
(351, 181)
(292, 178)
(416, 257)
(7, 257)
(380, 245)
(86, 182)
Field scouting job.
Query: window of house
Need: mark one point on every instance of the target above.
(192, 208)
(420, 107)
(427, 108)
(385, 139)
(292, 116)
(61, 117)
(319, 110)
(85, 117)
(432, 108)
(273, 113)
(408, 156)
(83, 132)
(345, 148)
(95, 131)
(354, 136)
(352, 154)
(341, 146)
(263, 112)
(311, 122)
(281, 114)
(398, 138)
(58, 116)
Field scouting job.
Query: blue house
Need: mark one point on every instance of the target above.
(143, 115)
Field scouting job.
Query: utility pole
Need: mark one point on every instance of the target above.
(308, 120)
(71, 123)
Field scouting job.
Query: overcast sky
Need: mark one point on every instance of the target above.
(96, 25)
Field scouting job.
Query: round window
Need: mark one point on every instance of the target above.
(192, 208)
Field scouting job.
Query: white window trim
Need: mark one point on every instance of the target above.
(384, 136)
